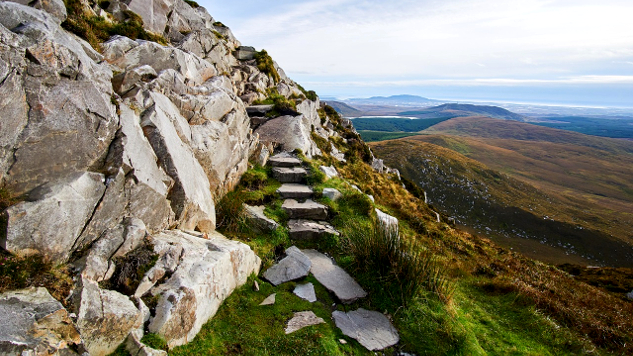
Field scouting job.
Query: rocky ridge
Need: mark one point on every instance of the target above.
(118, 154)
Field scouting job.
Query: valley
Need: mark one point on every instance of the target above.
(555, 195)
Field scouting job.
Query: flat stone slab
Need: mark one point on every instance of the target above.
(289, 175)
(302, 319)
(370, 328)
(306, 291)
(295, 191)
(270, 300)
(255, 214)
(258, 110)
(332, 194)
(283, 161)
(294, 266)
(307, 210)
(334, 278)
(300, 229)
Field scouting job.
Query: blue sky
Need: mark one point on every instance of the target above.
(550, 51)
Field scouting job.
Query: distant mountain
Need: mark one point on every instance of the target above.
(460, 110)
(344, 109)
(399, 100)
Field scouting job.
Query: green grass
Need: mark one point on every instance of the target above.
(242, 327)
(266, 65)
(390, 124)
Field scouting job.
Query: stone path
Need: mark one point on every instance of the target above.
(308, 218)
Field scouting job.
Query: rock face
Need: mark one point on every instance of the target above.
(370, 328)
(387, 222)
(294, 266)
(203, 273)
(51, 221)
(334, 278)
(289, 133)
(34, 323)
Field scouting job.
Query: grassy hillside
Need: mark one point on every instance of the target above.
(597, 126)
(373, 136)
(344, 109)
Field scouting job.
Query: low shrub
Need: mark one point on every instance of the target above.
(266, 65)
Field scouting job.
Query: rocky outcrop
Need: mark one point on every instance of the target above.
(108, 152)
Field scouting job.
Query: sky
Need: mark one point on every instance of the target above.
(573, 52)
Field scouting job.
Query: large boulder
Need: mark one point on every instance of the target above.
(203, 272)
(53, 217)
(68, 96)
(153, 12)
(105, 318)
(289, 133)
(34, 323)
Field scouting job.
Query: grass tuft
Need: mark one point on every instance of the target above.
(266, 65)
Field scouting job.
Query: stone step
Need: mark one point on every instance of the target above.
(284, 161)
(295, 191)
(300, 229)
(307, 210)
(334, 278)
(289, 175)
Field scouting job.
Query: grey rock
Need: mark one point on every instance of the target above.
(116, 242)
(34, 323)
(338, 155)
(309, 230)
(630, 295)
(301, 320)
(295, 191)
(334, 278)
(284, 161)
(255, 214)
(289, 175)
(378, 165)
(105, 318)
(203, 273)
(124, 82)
(191, 197)
(51, 220)
(330, 172)
(55, 8)
(258, 110)
(270, 300)
(371, 329)
(306, 210)
(371, 197)
(294, 266)
(245, 53)
(387, 222)
(332, 194)
(305, 291)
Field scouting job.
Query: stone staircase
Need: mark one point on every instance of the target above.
(308, 221)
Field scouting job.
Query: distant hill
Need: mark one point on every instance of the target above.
(401, 100)
(457, 110)
(393, 124)
(555, 189)
(344, 109)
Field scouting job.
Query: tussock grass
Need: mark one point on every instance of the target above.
(266, 65)
(398, 265)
